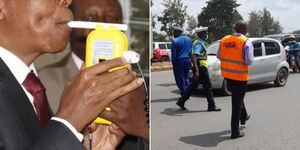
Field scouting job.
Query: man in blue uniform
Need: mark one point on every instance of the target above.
(181, 47)
(201, 76)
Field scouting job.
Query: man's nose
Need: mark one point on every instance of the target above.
(64, 3)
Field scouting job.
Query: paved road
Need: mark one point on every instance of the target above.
(274, 123)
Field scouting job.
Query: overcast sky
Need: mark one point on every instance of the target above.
(286, 11)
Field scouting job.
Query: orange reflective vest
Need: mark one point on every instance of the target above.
(233, 64)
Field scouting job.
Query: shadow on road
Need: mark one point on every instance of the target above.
(208, 139)
(256, 87)
(200, 93)
(197, 93)
(176, 92)
(178, 112)
(166, 84)
(164, 100)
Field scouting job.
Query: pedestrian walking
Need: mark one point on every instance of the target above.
(236, 54)
(181, 47)
(200, 71)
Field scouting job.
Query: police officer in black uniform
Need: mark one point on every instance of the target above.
(201, 76)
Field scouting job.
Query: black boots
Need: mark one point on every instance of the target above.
(213, 108)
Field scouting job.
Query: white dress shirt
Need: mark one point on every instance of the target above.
(77, 60)
(20, 70)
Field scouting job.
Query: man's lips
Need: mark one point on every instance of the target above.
(64, 25)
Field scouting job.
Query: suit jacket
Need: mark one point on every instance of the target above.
(56, 75)
(19, 125)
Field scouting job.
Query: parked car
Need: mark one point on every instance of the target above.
(269, 64)
(162, 51)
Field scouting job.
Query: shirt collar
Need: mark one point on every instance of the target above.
(203, 41)
(238, 34)
(18, 68)
(180, 35)
(77, 60)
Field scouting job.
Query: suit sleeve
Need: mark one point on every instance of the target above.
(56, 136)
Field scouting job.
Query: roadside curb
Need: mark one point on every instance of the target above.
(161, 66)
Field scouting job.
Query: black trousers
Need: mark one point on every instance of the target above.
(205, 81)
(239, 112)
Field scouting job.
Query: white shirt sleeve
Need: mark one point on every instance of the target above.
(70, 126)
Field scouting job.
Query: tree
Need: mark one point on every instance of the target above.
(219, 16)
(268, 25)
(158, 37)
(191, 25)
(297, 32)
(262, 23)
(254, 24)
(173, 15)
(153, 17)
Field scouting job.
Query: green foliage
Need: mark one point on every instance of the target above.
(219, 16)
(254, 24)
(173, 15)
(262, 23)
(191, 25)
(158, 37)
(297, 32)
(153, 17)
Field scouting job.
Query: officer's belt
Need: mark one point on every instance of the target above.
(201, 57)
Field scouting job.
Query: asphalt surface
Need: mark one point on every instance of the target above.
(274, 122)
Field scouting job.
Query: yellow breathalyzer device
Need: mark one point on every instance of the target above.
(103, 44)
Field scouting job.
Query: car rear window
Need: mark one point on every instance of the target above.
(169, 46)
(272, 48)
(257, 49)
(162, 46)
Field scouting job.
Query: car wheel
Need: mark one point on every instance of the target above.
(164, 58)
(225, 90)
(281, 78)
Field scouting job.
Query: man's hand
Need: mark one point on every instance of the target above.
(103, 137)
(94, 88)
(128, 112)
(196, 75)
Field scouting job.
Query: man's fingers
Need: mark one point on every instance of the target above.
(117, 83)
(114, 129)
(110, 76)
(107, 65)
(82, 66)
(116, 104)
(108, 115)
(126, 89)
(93, 127)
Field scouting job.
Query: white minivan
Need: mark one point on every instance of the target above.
(269, 64)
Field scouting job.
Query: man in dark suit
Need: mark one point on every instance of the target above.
(28, 29)
(55, 75)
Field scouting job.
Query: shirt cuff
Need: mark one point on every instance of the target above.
(70, 126)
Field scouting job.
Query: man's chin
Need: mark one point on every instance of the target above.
(59, 47)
